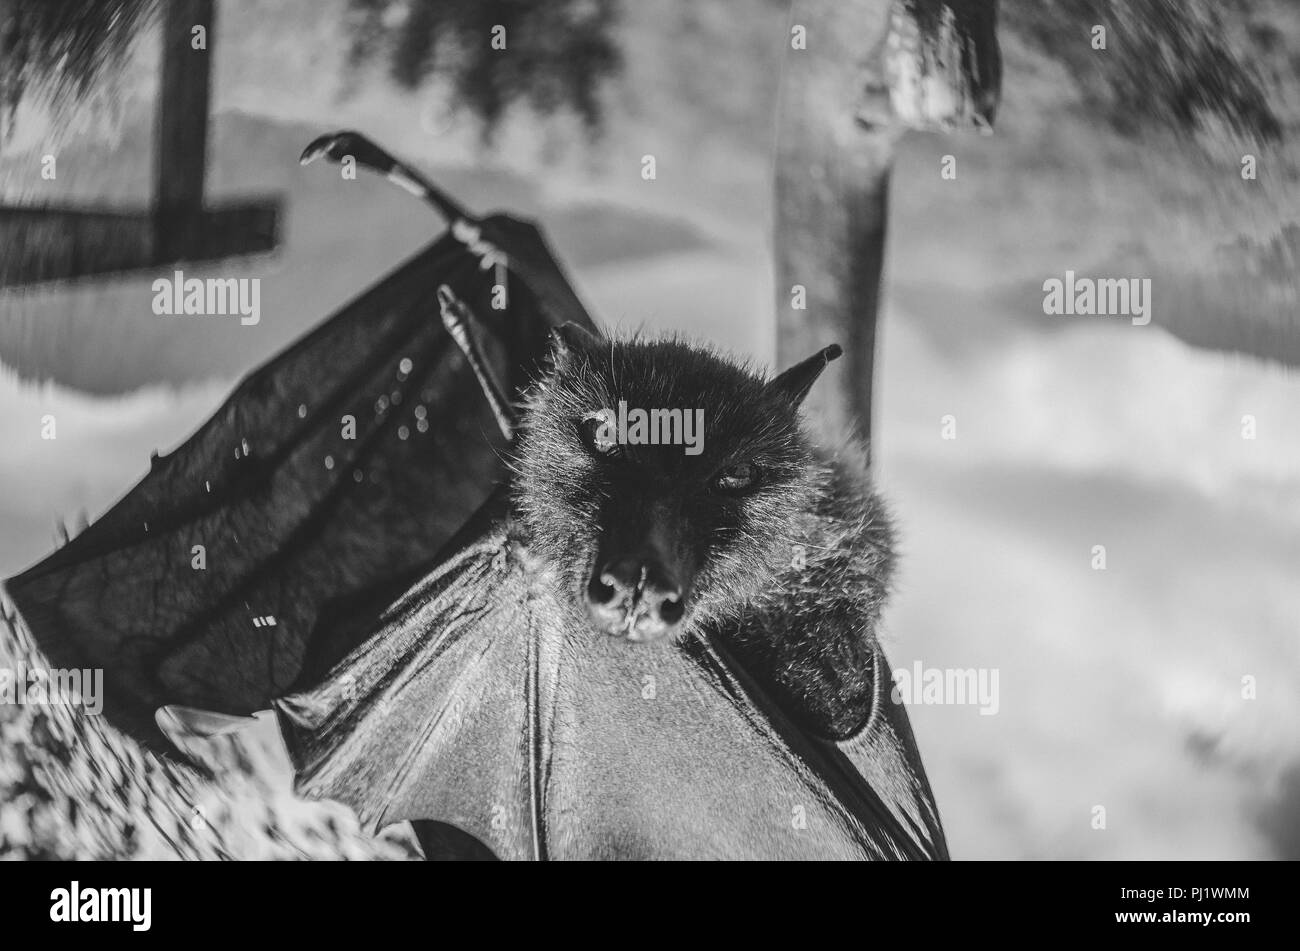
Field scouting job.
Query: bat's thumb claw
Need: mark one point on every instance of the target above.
(317, 148)
(335, 145)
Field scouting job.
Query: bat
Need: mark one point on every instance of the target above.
(635, 652)
(526, 631)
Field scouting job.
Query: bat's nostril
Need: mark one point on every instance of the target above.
(671, 609)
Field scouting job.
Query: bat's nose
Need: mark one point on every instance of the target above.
(635, 597)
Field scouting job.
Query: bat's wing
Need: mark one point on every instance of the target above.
(328, 482)
(477, 705)
(885, 755)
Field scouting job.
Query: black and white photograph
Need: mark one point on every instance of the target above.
(748, 430)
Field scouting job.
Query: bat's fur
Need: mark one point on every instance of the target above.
(791, 575)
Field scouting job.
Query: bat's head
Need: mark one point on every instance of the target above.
(662, 484)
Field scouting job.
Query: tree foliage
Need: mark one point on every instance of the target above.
(58, 51)
(1175, 62)
(557, 51)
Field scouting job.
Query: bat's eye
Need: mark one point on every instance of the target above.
(741, 477)
(599, 432)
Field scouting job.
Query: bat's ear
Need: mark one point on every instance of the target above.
(572, 338)
(795, 382)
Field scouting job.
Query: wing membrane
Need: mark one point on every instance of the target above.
(480, 706)
(337, 470)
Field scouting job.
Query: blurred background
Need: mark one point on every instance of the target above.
(1120, 688)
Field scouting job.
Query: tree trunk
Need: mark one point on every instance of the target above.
(871, 70)
(181, 139)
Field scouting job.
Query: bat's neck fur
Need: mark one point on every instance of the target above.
(810, 633)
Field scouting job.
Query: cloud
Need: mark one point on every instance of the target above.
(1120, 688)
(101, 448)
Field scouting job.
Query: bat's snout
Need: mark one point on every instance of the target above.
(636, 597)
